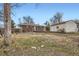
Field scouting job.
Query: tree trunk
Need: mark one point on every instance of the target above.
(7, 25)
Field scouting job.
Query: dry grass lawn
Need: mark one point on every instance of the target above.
(43, 44)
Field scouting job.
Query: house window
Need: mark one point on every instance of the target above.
(57, 27)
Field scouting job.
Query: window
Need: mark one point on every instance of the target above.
(57, 27)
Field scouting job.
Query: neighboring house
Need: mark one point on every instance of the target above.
(67, 26)
(32, 28)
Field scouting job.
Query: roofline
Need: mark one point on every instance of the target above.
(32, 25)
(61, 23)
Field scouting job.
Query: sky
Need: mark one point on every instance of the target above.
(43, 12)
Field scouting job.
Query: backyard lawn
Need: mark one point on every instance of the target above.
(43, 44)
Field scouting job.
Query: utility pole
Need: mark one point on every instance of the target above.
(7, 25)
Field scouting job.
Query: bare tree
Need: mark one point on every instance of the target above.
(57, 18)
(28, 20)
(7, 25)
(1, 15)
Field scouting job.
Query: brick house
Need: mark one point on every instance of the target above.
(32, 28)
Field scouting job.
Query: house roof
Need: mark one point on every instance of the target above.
(77, 22)
(17, 27)
(30, 24)
(58, 23)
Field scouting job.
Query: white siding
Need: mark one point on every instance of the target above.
(55, 29)
(70, 26)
